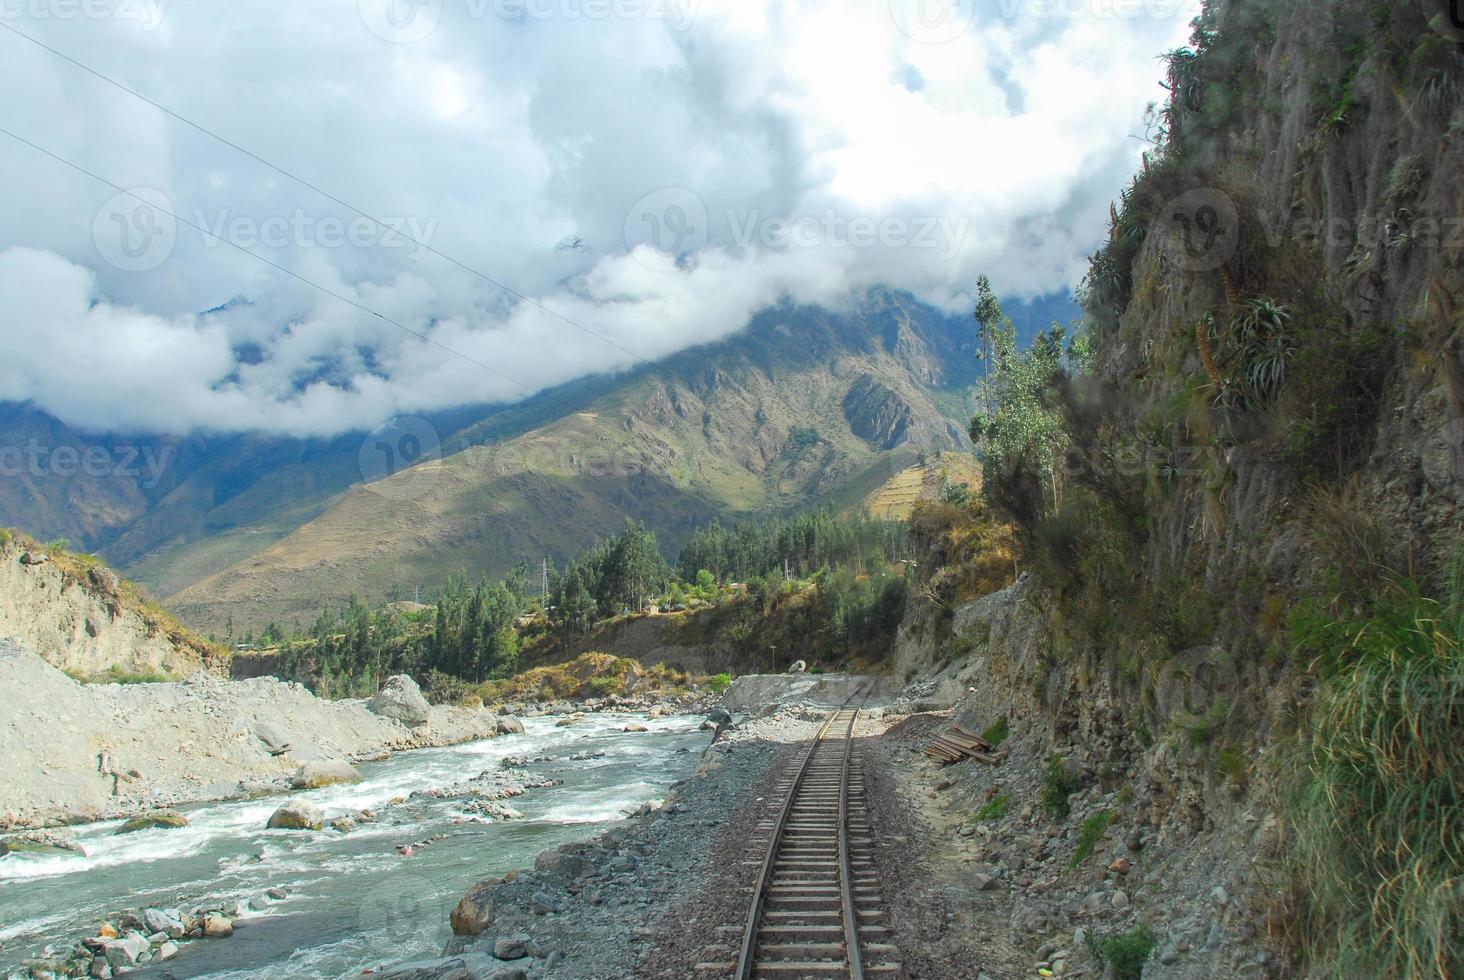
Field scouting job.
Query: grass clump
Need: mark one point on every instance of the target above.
(996, 732)
(1090, 834)
(1057, 786)
(718, 683)
(1377, 818)
(1126, 952)
(116, 675)
(994, 809)
(590, 675)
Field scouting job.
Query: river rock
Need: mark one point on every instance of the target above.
(167, 923)
(511, 948)
(217, 926)
(400, 698)
(635, 727)
(276, 740)
(157, 819)
(40, 842)
(296, 815)
(509, 726)
(166, 951)
(325, 772)
(122, 953)
(474, 913)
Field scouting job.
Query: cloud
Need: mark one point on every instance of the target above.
(711, 157)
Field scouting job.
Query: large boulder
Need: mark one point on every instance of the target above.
(156, 820)
(276, 740)
(40, 842)
(474, 914)
(401, 699)
(164, 921)
(509, 726)
(122, 953)
(324, 772)
(296, 815)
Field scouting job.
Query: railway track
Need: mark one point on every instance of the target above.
(816, 908)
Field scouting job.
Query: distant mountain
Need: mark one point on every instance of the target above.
(802, 407)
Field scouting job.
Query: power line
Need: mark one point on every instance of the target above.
(289, 272)
(326, 194)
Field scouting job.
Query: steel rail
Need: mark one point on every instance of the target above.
(747, 959)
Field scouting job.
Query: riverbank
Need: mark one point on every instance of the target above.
(353, 899)
(658, 894)
(79, 753)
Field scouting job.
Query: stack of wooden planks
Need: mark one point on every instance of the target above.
(960, 743)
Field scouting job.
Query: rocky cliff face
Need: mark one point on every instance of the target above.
(1274, 418)
(82, 618)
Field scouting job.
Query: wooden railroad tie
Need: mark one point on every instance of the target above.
(960, 743)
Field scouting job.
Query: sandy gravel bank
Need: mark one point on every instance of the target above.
(72, 752)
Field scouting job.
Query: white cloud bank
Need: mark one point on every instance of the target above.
(653, 170)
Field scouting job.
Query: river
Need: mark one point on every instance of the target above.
(353, 901)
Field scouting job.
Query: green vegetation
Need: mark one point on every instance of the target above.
(803, 545)
(718, 683)
(591, 675)
(1090, 834)
(1126, 952)
(996, 732)
(994, 808)
(116, 675)
(1377, 854)
(1057, 786)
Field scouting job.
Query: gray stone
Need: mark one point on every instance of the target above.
(511, 948)
(509, 726)
(276, 740)
(167, 923)
(296, 815)
(544, 903)
(324, 772)
(400, 698)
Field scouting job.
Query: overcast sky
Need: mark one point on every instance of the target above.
(654, 171)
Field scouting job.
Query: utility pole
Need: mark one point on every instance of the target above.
(544, 577)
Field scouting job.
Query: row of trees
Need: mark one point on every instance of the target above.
(801, 544)
(469, 635)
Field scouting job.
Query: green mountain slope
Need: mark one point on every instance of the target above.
(801, 407)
